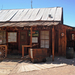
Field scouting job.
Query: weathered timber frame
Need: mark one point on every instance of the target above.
(5, 49)
(31, 43)
(53, 43)
(27, 45)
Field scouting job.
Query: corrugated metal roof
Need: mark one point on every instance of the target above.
(42, 14)
(22, 24)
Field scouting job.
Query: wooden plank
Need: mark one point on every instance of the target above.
(5, 51)
(62, 41)
(65, 42)
(53, 43)
(22, 51)
(18, 40)
(31, 37)
(59, 52)
(27, 45)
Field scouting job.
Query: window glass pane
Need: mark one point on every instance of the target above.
(4, 41)
(2, 37)
(47, 42)
(46, 46)
(34, 39)
(12, 36)
(42, 32)
(42, 36)
(42, 42)
(42, 46)
(72, 36)
(46, 37)
(46, 33)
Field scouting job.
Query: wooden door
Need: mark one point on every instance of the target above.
(23, 41)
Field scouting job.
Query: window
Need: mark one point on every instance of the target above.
(72, 36)
(44, 39)
(34, 39)
(12, 36)
(2, 37)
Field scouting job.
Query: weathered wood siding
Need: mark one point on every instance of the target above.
(62, 39)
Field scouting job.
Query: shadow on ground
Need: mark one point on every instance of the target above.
(57, 60)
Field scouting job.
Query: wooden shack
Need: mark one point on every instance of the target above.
(38, 28)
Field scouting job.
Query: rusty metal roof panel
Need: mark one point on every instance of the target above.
(58, 14)
(45, 14)
(51, 14)
(3, 14)
(37, 14)
(40, 14)
(7, 15)
(34, 14)
(22, 15)
(17, 15)
(27, 16)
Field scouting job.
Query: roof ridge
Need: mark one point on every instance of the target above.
(30, 8)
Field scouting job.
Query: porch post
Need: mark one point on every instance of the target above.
(53, 43)
(31, 36)
(23, 51)
(6, 51)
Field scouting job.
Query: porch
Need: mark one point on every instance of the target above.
(25, 35)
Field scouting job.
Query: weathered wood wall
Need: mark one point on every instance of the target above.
(60, 37)
(71, 38)
(61, 42)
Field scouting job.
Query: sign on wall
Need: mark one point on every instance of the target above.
(12, 36)
(34, 33)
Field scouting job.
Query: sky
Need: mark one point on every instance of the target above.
(68, 7)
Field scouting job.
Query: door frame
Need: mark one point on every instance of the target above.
(20, 52)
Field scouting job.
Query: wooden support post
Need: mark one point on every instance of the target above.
(31, 36)
(53, 43)
(59, 52)
(65, 41)
(5, 51)
(23, 51)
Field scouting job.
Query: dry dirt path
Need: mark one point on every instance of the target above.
(14, 67)
(65, 70)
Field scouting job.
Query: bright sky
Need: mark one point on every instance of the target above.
(68, 7)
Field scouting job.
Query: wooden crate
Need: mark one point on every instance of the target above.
(38, 54)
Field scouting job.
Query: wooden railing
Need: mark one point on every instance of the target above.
(5, 49)
(27, 46)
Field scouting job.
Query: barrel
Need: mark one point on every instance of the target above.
(69, 52)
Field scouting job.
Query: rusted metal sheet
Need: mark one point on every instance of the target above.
(45, 16)
(52, 14)
(27, 16)
(58, 14)
(42, 14)
(7, 15)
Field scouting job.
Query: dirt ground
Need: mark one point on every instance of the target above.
(64, 70)
(60, 66)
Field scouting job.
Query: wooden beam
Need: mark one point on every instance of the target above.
(53, 43)
(31, 36)
(65, 41)
(59, 44)
(5, 51)
(22, 51)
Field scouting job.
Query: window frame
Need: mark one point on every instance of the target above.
(44, 39)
